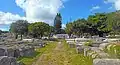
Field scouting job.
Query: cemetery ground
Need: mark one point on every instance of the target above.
(57, 53)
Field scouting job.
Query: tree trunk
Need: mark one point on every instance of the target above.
(21, 36)
(16, 35)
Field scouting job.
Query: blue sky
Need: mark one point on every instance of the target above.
(11, 10)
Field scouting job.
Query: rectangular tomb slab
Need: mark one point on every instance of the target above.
(106, 62)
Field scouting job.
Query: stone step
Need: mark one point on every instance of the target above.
(106, 62)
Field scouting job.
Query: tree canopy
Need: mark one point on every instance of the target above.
(19, 27)
(39, 29)
(97, 24)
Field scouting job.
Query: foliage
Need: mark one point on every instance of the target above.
(39, 29)
(19, 27)
(75, 58)
(78, 27)
(114, 21)
(97, 24)
(69, 28)
(58, 55)
(39, 52)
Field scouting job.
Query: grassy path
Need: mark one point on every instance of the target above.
(62, 55)
(39, 52)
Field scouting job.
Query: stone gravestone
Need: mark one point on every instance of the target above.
(27, 51)
(106, 62)
(86, 49)
(5, 60)
(103, 45)
(10, 52)
(13, 61)
(80, 49)
(16, 53)
(2, 52)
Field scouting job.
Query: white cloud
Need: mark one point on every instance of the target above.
(4, 27)
(95, 8)
(36, 10)
(40, 10)
(116, 3)
(63, 26)
(8, 18)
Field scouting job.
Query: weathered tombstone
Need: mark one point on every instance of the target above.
(86, 49)
(10, 52)
(16, 53)
(95, 44)
(106, 62)
(26, 51)
(95, 49)
(104, 55)
(4, 60)
(2, 52)
(13, 61)
(80, 49)
(42, 44)
(103, 45)
(70, 40)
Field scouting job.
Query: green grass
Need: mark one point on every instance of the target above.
(77, 59)
(38, 53)
(58, 55)
(113, 51)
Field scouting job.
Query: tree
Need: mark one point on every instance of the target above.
(52, 31)
(99, 23)
(69, 28)
(114, 22)
(0, 32)
(78, 27)
(57, 23)
(39, 29)
(19, 27)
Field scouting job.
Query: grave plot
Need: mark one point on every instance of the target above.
(97, 50)
(17, 51)
(62, 54)
(4, 60)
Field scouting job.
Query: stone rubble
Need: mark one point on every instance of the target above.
(106, 62)
(95, 50)
(11, 49)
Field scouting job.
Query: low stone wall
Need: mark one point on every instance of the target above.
(17, 51)
(106, 62)
(5, 60)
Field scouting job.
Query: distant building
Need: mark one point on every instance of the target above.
(61, 36)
